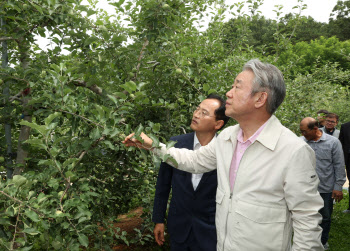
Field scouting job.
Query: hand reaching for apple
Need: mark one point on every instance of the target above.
(131, 141)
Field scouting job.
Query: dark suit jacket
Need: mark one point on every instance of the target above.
(344, 138)
(188, 209)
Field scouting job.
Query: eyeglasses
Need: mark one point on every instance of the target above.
(202, 113)
(330, 121)
(304, 131)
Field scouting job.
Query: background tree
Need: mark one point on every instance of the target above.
(339, 22)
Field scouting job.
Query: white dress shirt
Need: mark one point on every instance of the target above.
(196, 177)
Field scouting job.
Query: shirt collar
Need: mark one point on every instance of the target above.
(323, 136)
(251, 138)
(268, 137)
(196, 141)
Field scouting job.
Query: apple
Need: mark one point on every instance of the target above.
(58, 212)
(178, 71)
(166, 6)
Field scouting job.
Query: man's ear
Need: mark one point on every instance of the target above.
(219, 124)
(261, 99)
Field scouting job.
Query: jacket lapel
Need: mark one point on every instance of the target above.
(188, 143)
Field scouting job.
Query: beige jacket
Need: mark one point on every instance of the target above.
(275, 191)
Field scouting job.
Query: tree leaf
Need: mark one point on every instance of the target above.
(121, 95)
(83, 239)
(95, 134)
(139, 130)
(38, 143)
(90, 40)
(170, 144)
(32, 215)
(51, 117)
(155, 140)
(31, 231)
(40, 128)
(129, 86)
(19, 180)
(38, 8)
(156, 127)
(114, 99)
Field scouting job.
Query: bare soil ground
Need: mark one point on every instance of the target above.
(127, 222)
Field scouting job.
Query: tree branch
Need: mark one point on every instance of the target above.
(21, 202)
(77, 115)
(82, 154)
(96, 89)
(16, 97)
(5, 38)
(140, 57)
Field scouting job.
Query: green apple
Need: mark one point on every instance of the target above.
(58, 212)
(2, 159)
(122, 136)
(178, 71)
(166, 6)
(60, 194)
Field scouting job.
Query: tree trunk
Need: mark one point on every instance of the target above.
(25, 130)
(6, 92)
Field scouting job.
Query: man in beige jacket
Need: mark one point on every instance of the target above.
(267, 184)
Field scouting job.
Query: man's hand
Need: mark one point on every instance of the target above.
(159, 233)
(337, 195)
(130, 141)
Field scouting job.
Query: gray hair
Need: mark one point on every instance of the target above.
(270, 79)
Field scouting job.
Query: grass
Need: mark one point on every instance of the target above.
(339, 237)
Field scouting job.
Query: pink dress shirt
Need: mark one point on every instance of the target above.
(239, 151)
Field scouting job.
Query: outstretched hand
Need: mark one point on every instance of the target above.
(130, 140)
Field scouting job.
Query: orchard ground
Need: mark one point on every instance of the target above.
(338, 241)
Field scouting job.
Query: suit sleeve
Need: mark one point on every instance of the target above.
(342, 139)
(199, 161)
(303, 199)
(161, 197)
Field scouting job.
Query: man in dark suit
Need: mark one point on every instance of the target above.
(344, 137)
(191, 217)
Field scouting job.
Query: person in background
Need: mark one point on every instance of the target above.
(329, 168)
(344, 137)
(267, 183)
(331, 121)
(191, 217)
(321, 117)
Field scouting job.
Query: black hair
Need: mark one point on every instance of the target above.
(312, 124)
(332, 115)
(323, 111)
(219, 112)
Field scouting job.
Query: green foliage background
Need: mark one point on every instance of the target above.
(62, 137)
